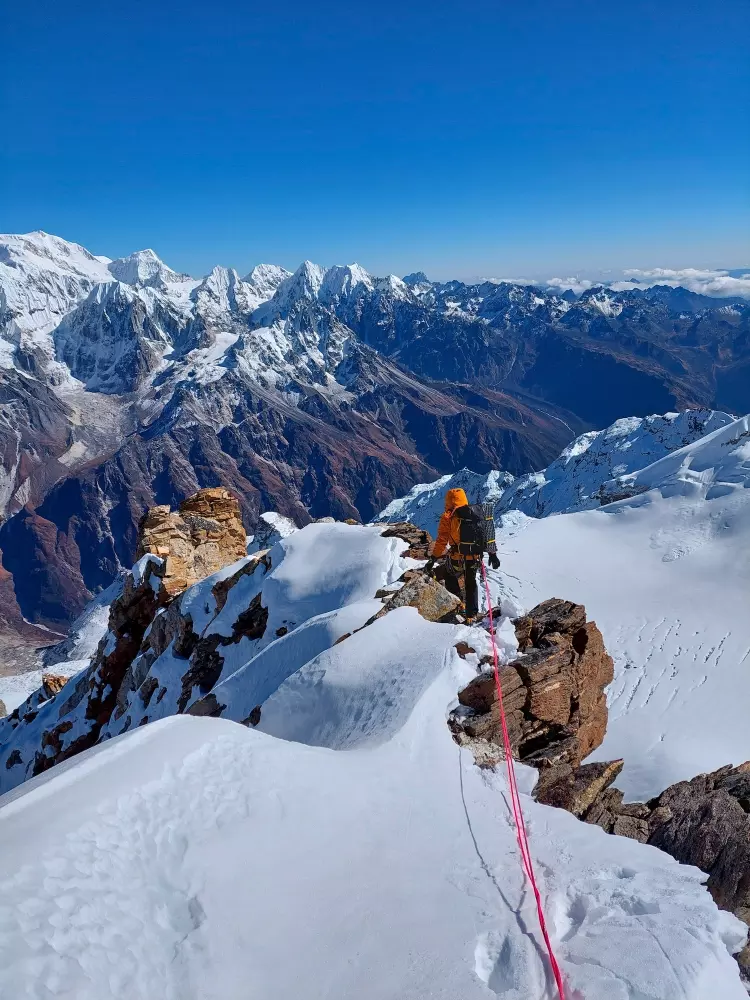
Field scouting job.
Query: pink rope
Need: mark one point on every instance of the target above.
(521, 834)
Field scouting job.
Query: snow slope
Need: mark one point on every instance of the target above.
(199, 860)
(577, 480)
(16, 688)
(425, 502)
(665, 574)
(86, 631)
(42, 278)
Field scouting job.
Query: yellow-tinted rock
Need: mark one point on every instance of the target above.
(204, 535)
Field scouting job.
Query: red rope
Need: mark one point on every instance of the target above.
(522, 836)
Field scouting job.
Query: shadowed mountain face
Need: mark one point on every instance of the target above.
(321, 392)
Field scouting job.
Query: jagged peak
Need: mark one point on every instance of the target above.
(111, 291)
(393, 284)
(304, 283)
(144, 267)
(309, 276)
(42, 251)
(341, 280)
(266, 275)
(219, 277)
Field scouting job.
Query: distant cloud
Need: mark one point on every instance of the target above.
(720, 284)
(575, 285)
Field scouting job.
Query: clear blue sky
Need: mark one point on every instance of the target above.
(476, 138)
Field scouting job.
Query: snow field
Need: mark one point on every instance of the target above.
(194, 857)
(666, 580)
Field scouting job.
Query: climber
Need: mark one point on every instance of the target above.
(466, 531)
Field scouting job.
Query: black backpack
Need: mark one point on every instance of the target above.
(476, 529)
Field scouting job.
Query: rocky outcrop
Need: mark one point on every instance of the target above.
(429, 597)
(204, 535)
(703, 822)
(418, 540)
(53, 684)
(576, 789)
(56, 725)
(146, 622)
(553, 693)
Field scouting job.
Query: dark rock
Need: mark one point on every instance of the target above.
(660, 815)
(553, 695)
(205, 668)
(251, 624)
(553, 615)
(630, 826)
(638, 810)
(208, 706)
(555, 751)
(711, 830)
(463, 649)
(254, 718)
(743, 960)
(147, 690)
(431, 600)
(53, 684)
(605, 809)
(578, 790)
(738, 786)
(419, 540)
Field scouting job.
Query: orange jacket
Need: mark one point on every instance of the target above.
(449, 526)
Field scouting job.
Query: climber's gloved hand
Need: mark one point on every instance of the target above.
(494, 561)
(430, 566)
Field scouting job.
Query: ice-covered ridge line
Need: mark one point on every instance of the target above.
(716, 465)
(392, 866)
(588, 473)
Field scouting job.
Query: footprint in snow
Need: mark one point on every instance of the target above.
(509, 965)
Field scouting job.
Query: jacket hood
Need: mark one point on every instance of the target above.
(455, 499)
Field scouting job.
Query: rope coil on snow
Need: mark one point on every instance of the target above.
(521, 834)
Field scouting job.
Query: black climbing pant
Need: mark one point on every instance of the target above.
(459, 567)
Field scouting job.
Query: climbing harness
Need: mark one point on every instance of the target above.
(522, 836)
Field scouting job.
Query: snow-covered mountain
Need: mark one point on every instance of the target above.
(323, 391)
(595, 469)
(666, 574)
(342, 817)
(125, 382)
(664, 570)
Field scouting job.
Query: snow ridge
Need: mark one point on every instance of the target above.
(593, 470)
(164, 862)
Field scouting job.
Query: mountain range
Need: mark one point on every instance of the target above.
(325, 391)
